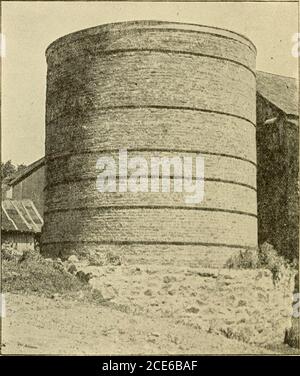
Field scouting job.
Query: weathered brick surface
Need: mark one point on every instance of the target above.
(151, 225)
(83, 194)
(82, 166)
(149, 128)
(160, 89)
(149, 254)
(149, 78)
(153, 35)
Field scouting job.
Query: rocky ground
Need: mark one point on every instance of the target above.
(37, 325)
(122, 309)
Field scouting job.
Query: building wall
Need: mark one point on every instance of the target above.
(32, 187)
(277, 179)
(19, 241)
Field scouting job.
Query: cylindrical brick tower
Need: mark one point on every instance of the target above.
(156, 89)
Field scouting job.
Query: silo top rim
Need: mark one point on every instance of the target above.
(152, 24)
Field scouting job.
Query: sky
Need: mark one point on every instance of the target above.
(29, 27)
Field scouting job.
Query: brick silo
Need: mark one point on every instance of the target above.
(154, 88)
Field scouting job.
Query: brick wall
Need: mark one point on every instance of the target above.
(153, 88)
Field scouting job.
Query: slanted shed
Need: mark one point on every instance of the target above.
(281, 91)
(21, 223)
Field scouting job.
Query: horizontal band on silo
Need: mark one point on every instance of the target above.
(153, 243)
(148, 127)
(79, 167)
(112, 28)
(164, 35)
(119, 80)
(165, 51)
(136, 207)
(70, 181)
(159, 225)
(101, 151)
(219, 195)
(68, 113)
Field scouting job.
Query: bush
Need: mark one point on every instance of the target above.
(264, 257)
(270, 259)
(28, 271)
(247, 259)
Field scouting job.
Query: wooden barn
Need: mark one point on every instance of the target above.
(29, 184)
(277, 138)
(21, 224)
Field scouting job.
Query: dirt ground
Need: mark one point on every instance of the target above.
(123, 309)
(37, 325)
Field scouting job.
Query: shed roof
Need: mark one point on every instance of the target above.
(279, 90)
(20, 216)
(27, 171)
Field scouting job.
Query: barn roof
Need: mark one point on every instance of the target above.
(21, 216)
(279, 90)
(27, 171)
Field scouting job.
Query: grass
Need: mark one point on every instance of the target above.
(31, 273)
(265, 257)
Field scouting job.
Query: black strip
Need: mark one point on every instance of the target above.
(83, 35)
(143, 150)
(214, 34)
(181, 108)
(292, 124)
(143, 242)
(171, 177)
(135, 207)
(169, 51)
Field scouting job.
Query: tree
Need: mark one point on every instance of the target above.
(7, 169)
(21, 167)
